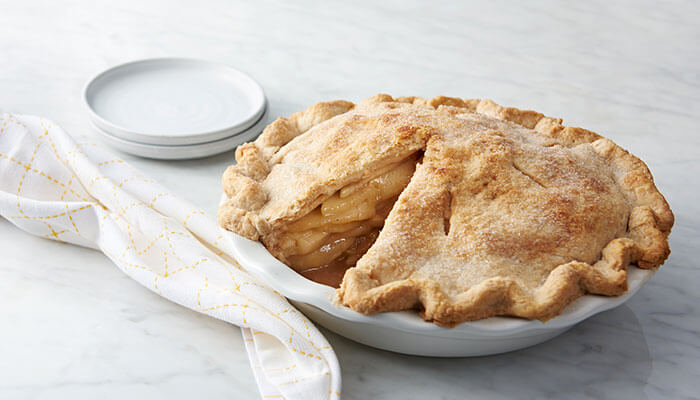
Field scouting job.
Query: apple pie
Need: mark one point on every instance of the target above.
(461, 209)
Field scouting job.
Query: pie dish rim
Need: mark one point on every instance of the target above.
(255, 258)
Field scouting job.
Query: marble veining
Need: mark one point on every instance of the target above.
(72, 326)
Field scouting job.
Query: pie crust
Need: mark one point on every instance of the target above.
(504, 211)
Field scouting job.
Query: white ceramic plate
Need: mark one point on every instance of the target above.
(185, 151)
(173, 101)
(405, 332)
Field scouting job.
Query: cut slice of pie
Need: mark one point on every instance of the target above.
(462, 209)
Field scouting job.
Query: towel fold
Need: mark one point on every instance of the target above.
(52, 187)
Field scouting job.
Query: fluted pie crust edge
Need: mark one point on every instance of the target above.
(260, 204)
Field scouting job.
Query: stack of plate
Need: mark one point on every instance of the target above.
(175, 108)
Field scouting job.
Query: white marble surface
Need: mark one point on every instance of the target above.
(72, 326)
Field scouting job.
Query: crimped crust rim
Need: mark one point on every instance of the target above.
(649, 224)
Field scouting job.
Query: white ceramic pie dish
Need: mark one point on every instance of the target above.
(405, 332)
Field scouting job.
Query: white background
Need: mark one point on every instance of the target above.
(72, 326)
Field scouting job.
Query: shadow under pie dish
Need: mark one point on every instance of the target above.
(461, 209)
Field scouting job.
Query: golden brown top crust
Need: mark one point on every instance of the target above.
(509, 213)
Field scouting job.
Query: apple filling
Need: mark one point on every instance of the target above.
(330, 239)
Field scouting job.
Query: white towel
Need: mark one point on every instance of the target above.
(53, 187)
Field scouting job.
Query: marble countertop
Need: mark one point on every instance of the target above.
(73, 326)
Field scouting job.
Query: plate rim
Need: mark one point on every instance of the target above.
(164, 152)
(253, 256)
(165, 140)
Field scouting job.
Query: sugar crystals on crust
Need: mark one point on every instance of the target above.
(462, 209)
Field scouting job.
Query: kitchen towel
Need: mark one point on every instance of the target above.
(55, 188)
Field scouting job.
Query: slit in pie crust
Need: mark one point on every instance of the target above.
(462, 209)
